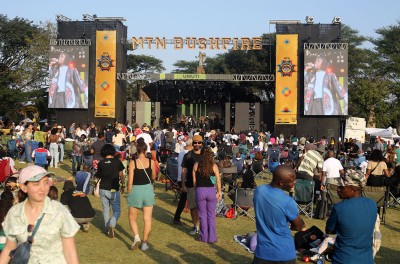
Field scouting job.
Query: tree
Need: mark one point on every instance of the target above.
(140, 64)
(387, 46)
(186, 66)
(23, 52)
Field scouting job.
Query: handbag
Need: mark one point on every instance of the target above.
(213, 179)
(96, 189)
(22, 253)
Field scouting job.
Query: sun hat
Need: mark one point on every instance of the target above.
(354, 178)
(146, 129)
(33, 173)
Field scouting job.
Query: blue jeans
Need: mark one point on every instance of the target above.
(27, 151)
(76, 160)
(112, 199)
(61, 145)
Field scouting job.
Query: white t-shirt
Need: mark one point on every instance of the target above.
(332, 167)
(147, 140)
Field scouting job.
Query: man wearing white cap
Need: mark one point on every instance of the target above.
(147, 138)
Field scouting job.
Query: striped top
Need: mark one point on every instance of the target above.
(312, 160)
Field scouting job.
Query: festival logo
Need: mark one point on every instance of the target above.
(105, 62)
(286, 68)
(286, 91)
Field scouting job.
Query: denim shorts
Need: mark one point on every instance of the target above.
(141, 196)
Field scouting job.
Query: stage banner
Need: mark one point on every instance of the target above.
(106, 47)
(286, 79)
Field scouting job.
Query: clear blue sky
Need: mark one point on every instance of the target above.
(209, 18)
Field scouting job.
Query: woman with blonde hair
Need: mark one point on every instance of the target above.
(205, 177)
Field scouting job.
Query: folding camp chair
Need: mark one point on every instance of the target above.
(394, 195)
(4, 170)
(380, 196)
(257, 167)
(171, 174)
(243, 203)
(304, 196)
(12, 150)
(228, 176)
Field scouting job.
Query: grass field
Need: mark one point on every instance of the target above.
(172, 244)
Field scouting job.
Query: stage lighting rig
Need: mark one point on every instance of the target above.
(62, 18)
(309, 19)
(87, 17)
(336, 20)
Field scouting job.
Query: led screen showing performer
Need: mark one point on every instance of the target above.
(325, 82)
(68, 76)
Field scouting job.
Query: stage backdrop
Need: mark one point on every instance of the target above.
(68, 76)
(105, 74)
(286, 79)
(325, 82)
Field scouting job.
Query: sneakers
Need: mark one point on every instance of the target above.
(194, 231)
(111, 232)
(85, 227)
(136, 244)
(144, 246)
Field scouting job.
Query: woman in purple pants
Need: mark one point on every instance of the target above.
(205, 177)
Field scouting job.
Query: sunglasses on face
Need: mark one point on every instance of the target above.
(198, 142)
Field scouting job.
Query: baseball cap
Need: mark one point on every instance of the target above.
(33, 173)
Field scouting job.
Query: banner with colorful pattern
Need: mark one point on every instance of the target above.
(286, 79)
(105, 81)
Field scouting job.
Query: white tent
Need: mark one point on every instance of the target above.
(388, 134)
(27, 120)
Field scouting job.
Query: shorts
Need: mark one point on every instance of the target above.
(191, 198)
(141, 196)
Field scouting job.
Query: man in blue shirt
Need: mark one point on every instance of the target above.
(353, 220)
(275, 211)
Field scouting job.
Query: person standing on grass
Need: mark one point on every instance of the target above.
(188, 162)
(183, 195)
(112, 183)
(206, 198)
(54, 240)
(276, 213)
(142, 172)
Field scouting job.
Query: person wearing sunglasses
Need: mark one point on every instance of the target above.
(54, 240)
(188, 162)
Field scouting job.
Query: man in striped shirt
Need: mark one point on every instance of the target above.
(311, 160)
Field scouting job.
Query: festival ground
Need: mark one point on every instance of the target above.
(173, 244)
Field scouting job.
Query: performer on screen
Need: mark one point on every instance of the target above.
(322, 90)
(66, 85)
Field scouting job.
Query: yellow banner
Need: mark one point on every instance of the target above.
(106, 49)
(286, 79)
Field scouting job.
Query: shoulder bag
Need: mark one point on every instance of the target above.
(22, 253)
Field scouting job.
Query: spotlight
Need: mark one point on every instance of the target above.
(309, 19)
(336, 20)
(62, 18)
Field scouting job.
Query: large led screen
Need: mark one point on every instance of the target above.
(325, 82)
(68, 76)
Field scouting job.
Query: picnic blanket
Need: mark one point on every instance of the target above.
(241, 239)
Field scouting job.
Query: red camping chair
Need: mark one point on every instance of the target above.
(4, 169)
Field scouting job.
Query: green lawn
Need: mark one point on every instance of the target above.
(172, 244)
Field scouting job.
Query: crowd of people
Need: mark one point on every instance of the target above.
(127, 158)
